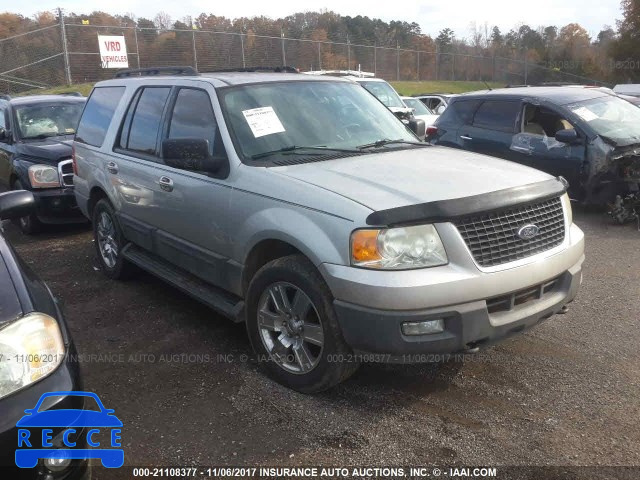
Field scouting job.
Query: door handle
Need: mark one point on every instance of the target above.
(465, 137)
(526, 150)
(166, 184)
(112, 167)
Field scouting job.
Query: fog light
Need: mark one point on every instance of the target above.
(57, 464)
(426, 327)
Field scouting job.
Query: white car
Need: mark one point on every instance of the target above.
(420, 110)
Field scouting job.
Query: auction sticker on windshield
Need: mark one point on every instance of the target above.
(586, 114)
(263, 121)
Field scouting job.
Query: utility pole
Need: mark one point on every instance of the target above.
(348, 53)
(63, 35)
(398, 61)
(195, 54)
(284, 57)
(437, 61)
(244, 29)
(375, 60)
(453, 67)
(244, 63)
(135, 35)
(319, 57)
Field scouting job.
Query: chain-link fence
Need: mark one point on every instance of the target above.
(68, 53)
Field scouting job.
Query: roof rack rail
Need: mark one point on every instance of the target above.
(153, 71)
(278, 69)
(5, 97)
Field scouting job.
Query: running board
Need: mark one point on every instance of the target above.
(215, 298)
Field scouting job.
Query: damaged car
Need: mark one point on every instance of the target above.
(586, 135)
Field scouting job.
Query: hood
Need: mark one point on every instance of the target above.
(428, 119)
(49, 150)
(404, 110)
(408, 177)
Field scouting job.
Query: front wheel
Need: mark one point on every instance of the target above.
(109, 241)
(29, 224)
(293, 327)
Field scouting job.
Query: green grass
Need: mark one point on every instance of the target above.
(415, 88)
(404, 88)
(83, 88)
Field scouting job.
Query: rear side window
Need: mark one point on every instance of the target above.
(97, 115)
(460, 112)
(497, 115)
(142, 122)
(193, 117)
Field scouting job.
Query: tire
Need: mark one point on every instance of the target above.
(29, 225)
(280, 328)
(109, 241)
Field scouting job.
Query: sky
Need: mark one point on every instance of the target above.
(432, 16)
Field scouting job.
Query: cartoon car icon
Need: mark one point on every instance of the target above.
(70, 420)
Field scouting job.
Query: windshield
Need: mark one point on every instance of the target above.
(280, 115)
(610, 117)
(419, 108)
(50, 120)
(385, 93)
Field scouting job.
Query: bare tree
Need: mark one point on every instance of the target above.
(162, 21)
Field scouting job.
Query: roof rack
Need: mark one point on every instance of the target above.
(153, 71)
(278, 69)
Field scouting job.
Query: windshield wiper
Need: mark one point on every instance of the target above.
(386, 141)
(295, 149)
(45, 135)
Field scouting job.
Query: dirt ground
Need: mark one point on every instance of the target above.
(185, 385)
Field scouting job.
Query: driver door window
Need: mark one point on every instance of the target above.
(542, 122)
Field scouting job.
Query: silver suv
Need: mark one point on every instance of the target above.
(303, 207)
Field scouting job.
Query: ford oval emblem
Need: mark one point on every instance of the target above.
(528, 231)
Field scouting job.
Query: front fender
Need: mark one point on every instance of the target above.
(20, 168)
(319, 236)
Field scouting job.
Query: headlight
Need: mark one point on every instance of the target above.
(43, 176)
(397, 248)
(30, 349)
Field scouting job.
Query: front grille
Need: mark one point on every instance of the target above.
(65, 170)
(493, 238)
(505, 303)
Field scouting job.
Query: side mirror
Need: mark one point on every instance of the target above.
(16, 204)
(569, 136)
(418, 127)
(190, 154)
(441, 109)
(4, 135)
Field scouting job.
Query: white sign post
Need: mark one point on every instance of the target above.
(113, 51)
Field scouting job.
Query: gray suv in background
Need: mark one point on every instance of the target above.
(301, 206)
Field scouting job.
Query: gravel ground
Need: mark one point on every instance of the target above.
(565, 393)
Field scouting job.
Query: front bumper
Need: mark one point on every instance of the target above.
(57, 206)
(372, 305)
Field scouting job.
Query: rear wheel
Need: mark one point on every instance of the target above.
(293, 327)
(109, 241)
(29, 225)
